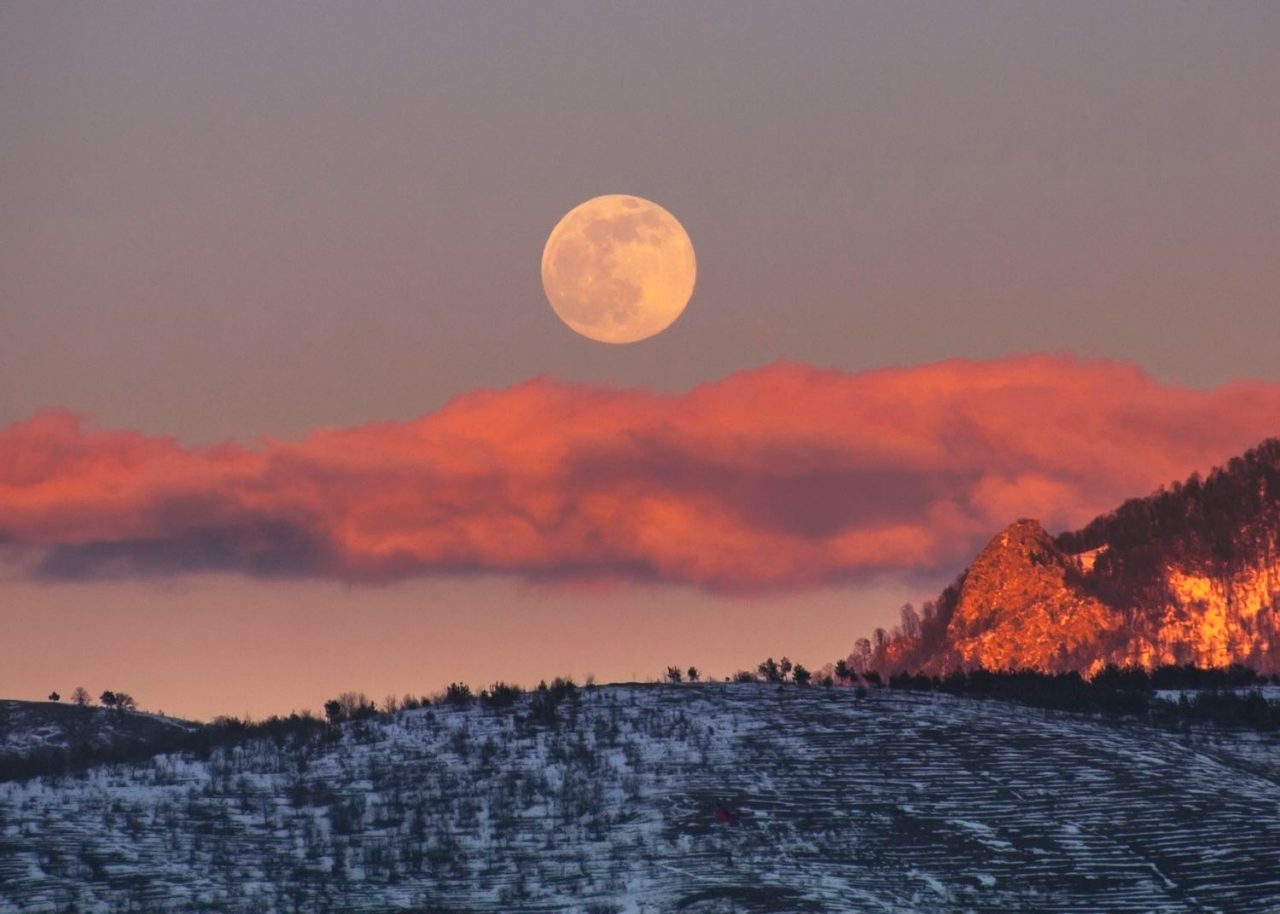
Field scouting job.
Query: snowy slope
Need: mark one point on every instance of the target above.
(28, 727)
(899, 802)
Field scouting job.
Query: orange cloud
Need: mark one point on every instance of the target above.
(782, 477)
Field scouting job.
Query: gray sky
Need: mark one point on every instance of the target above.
(230, 220)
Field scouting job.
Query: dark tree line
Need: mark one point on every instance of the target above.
(1226, 696)
(777, 671)
(1241, 710)
(1059, 691)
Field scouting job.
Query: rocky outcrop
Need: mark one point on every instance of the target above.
(1212, 620)
(1188, 575)
(1021, 605)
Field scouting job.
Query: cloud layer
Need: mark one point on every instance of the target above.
(779, 478)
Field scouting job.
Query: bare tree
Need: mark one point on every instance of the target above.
(349, 706)
(861, 657)
(356, 704)
(674, 674)
(81, 697)
(880, 646)
(910, 622)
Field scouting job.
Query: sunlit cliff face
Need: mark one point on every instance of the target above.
(1024, 603)
(1057, 624)
(1187, 575)
(1216, 621)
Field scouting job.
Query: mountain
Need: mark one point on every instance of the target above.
(695, 798)
(1190, 574)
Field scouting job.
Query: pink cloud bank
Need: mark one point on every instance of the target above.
(778, 478)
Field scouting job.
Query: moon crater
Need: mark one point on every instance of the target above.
(618, 269)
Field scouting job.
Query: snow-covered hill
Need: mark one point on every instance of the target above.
(897, 802)
(31, 727)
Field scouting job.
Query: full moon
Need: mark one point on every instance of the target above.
(618, 269)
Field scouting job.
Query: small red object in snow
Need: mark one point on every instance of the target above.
(723, 816)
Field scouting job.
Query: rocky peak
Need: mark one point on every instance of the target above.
(1189, 574)
(1021, 604)
(1024, 543)
(1020, 564)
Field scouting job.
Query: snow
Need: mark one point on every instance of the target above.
(897, 802)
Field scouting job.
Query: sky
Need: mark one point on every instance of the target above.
(284, 410)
